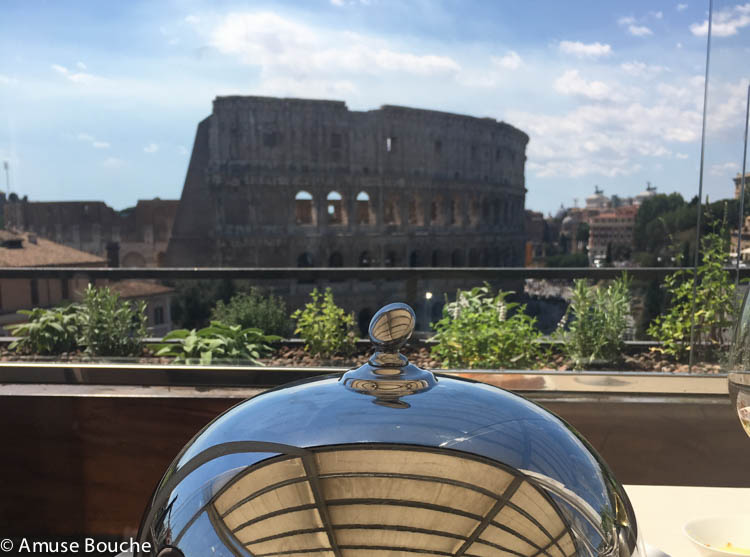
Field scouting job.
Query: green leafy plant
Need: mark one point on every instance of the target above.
(47, 331)
(254, 309)
(714, 302)
(326, 328)
(594, 325)
(216, 342)
(111, 326)
(482, 330)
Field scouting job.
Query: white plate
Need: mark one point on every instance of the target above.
(711, 534)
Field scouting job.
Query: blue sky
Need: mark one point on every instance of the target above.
(100, 100)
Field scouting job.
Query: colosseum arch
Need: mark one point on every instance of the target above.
(436, 211)
(416, 210)
(473, 257)
(365, 259)
(391, 211)
(437, 258)
(364, 208)
(304, 209)
(457, 258)
(391, 259)
(414, 259)
(305, 260)
(336, 260)
(335, 208)
(486, 217)
(474, 212)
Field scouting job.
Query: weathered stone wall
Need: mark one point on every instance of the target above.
(291, 182)
(142, 232)
(438, 184)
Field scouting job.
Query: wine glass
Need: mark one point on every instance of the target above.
(738, 366)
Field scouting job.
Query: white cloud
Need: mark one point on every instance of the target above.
(182, 150)
(571, 83)
(80, 78)
(639, 30)
(112, 162)
(91, 140)
(641, 69)
(7, 80)
(192, 19)
(681, 7)
(724, 169)
(591, 50)
(289, 52)
(511, 61)
(151, 148)
(656, 15)
(726, 22)
(81, 66)
(337, 2)
(630, 23)
(682, 156)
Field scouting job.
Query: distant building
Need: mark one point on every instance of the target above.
(738, 183)
(141, 233)
(30, 250)
(745, 245)
(309, 183)
(611, 229)
(535, 237)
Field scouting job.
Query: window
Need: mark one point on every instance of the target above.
(390, 144)
(335, 141)
(34, 292)
(363, 208)
(438, 147)
(457, 258)
(158, 315)
(303, 208)
(335, 208)
(414, 259)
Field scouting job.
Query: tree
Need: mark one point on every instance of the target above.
(582, 232)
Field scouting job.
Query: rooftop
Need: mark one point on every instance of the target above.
(29, 250)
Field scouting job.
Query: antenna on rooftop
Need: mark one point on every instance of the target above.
(6, 166)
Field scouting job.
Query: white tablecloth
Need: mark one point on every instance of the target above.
(663, 510)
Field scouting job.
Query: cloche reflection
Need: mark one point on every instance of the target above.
(389, 460)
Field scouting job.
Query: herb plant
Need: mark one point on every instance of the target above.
(482, 330)
(714, 302)
(256, 310)
(216, 342)
(47, 331)
(326, 328)
(594, 325)
(111, 326)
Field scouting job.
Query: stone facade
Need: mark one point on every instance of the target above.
(142, 232)
(289, 182)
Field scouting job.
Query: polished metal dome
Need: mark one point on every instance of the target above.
(389, 460)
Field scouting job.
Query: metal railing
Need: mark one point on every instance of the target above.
(344, 273)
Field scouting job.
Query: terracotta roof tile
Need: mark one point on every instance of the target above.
(40, 252)
(138, 288)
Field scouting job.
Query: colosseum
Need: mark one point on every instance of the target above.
(277, 182)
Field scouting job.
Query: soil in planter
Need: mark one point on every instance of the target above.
(293, 356)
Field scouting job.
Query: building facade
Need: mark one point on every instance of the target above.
(141, 234)
(290, 182)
